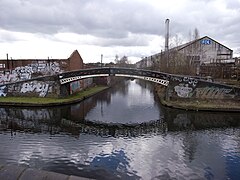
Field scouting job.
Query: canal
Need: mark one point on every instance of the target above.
(122, 133)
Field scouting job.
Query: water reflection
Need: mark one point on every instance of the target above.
(56, 120)
(67, 119)
(82, 140)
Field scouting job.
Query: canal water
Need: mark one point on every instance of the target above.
(122, 133)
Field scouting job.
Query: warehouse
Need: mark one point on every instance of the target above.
(191, 55)
(205, 50)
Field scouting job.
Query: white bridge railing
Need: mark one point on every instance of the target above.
(71, 79)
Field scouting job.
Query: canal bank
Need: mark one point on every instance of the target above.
(43, 102)
(196, 104)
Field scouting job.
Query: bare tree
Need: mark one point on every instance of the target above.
(196, 34)
(116, 59)
(123, 62)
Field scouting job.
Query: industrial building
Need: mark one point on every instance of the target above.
(204, 50)
(201, 55)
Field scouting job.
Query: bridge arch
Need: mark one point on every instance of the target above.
(152, 76)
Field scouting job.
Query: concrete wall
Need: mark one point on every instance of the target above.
(190, 88)
(39, 87)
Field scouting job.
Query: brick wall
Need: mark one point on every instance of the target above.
(16, 70)
(75, 61)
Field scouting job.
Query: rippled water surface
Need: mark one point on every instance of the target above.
(123, 133)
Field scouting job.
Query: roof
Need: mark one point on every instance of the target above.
(180, 47)
(192, 42)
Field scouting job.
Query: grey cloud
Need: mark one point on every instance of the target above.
(137, 40)
(26, 16)
(100, 18)
(233, 4)
(113, 20)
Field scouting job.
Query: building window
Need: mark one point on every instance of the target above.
(2, 65)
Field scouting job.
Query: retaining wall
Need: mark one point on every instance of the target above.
(38, 87)
(190, 88)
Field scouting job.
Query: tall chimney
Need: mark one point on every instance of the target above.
(101, 59)
(166, 34)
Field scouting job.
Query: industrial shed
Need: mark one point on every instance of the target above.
(195, 53)
(205, 50)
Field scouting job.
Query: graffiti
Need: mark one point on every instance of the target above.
(2, 91)
(24, 72)
(75, 86)
(47, 68)
(14, 88)
(174, 78)
(183, 90)
(212, 92)
(8, 78)
(190, 81)
(27, 72)
(39, 87)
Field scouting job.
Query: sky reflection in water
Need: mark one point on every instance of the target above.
(72, 140)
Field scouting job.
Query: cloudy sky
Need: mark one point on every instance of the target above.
(135, 28)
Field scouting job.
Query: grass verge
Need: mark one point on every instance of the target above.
(203, 105)
(51, 101)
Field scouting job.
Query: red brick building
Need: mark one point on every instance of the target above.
(74, 62)
(12, 70)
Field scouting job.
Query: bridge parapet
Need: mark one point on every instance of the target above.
(47, 86)
(178, 87)
(152, 76)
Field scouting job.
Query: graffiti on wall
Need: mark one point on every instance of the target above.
(183, 90)
(38, 87)
(23, 73)
(188, 80)
(2, 91)
(8, 77)
(27, 72)
(35, 86)
(75, 86)
(212, 92)
(44, 67)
